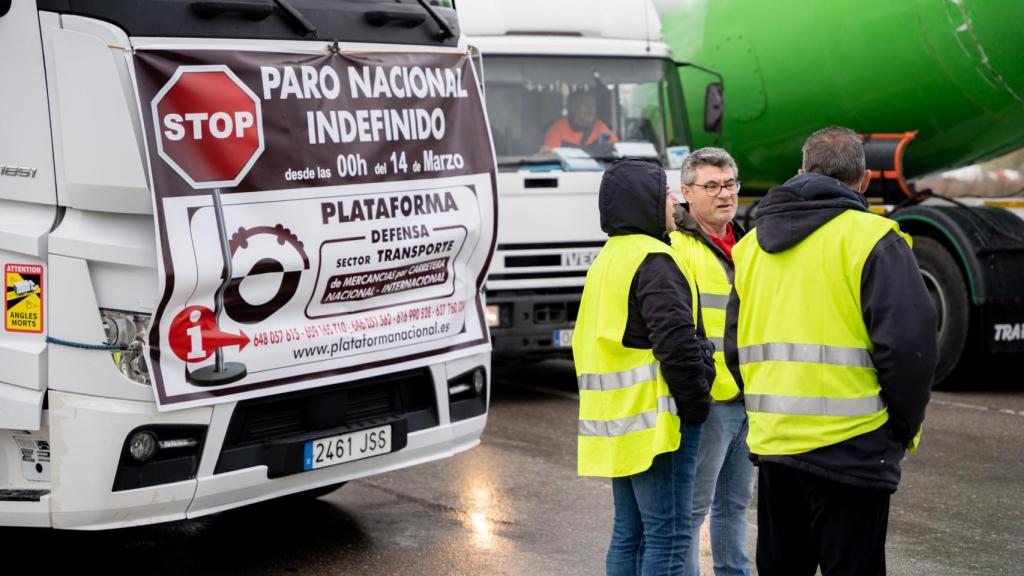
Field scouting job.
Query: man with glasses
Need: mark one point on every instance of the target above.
(724, 481)
(831, 335)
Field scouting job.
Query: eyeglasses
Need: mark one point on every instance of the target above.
(713, 189)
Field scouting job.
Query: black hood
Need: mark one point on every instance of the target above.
(632, 199)
(791, 212)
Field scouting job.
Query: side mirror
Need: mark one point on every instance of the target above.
(5, 6)
(714, 101)
(714, 107)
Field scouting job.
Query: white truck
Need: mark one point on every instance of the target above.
(539, 56)
(303, 187)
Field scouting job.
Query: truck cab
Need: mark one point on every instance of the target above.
(600, 69)
(84, 442)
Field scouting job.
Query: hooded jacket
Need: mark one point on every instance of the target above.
(899, 317)
(660, 312)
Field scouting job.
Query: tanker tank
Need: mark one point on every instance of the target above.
(950, 69)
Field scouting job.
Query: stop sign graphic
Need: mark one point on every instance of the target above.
(208, 126)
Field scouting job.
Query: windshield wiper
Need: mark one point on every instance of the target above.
(528, 160)
(255, 10)
(297, 17)
(446, 31)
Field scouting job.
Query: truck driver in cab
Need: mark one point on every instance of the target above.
(581, 128)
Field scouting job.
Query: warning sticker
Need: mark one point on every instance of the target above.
(23, 305)
(35, 458)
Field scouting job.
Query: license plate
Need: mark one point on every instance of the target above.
(347, 447)
(562, 338)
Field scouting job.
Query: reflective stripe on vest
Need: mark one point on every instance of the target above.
(714, 277)
(627, 415)
(804, 348)
(810, 353)
(799, 405)
(717, 301)
(618, 380)
(623, 426)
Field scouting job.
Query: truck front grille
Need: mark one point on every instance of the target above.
(265, 425)
(256, 422)
(555, 312)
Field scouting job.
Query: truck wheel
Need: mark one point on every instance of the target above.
(948, 291)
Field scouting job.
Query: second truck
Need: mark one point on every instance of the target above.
(931, 85)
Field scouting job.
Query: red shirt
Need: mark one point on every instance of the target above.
(726, 243)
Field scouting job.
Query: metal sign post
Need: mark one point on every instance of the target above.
(221, 372)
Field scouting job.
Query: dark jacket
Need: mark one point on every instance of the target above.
(687, 224)
(632, 201)
(899, 316)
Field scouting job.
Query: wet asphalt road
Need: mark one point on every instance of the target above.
(514, 505)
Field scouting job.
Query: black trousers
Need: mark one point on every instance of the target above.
(804, 520)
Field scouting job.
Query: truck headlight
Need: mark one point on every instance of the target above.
(125, 330)
(493, 315)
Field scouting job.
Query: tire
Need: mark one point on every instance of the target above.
(948, 290)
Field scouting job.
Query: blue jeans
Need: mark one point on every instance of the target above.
(723, 468)
(651, 533)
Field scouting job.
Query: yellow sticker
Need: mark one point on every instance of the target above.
(23, 306)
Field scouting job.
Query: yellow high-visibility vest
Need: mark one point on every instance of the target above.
(804, 350)
(627, 414)
(714, 283)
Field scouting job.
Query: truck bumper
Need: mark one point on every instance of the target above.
(534, 324)
(87, 436)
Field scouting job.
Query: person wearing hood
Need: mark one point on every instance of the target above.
(832, 337)
(643, 367)
(706, 233)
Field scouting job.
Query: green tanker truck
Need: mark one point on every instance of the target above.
(933, 84)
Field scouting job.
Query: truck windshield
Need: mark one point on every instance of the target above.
(377, 21)
(543, 109)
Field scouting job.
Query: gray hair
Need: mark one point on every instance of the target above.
(835, 152)
(709, 156)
